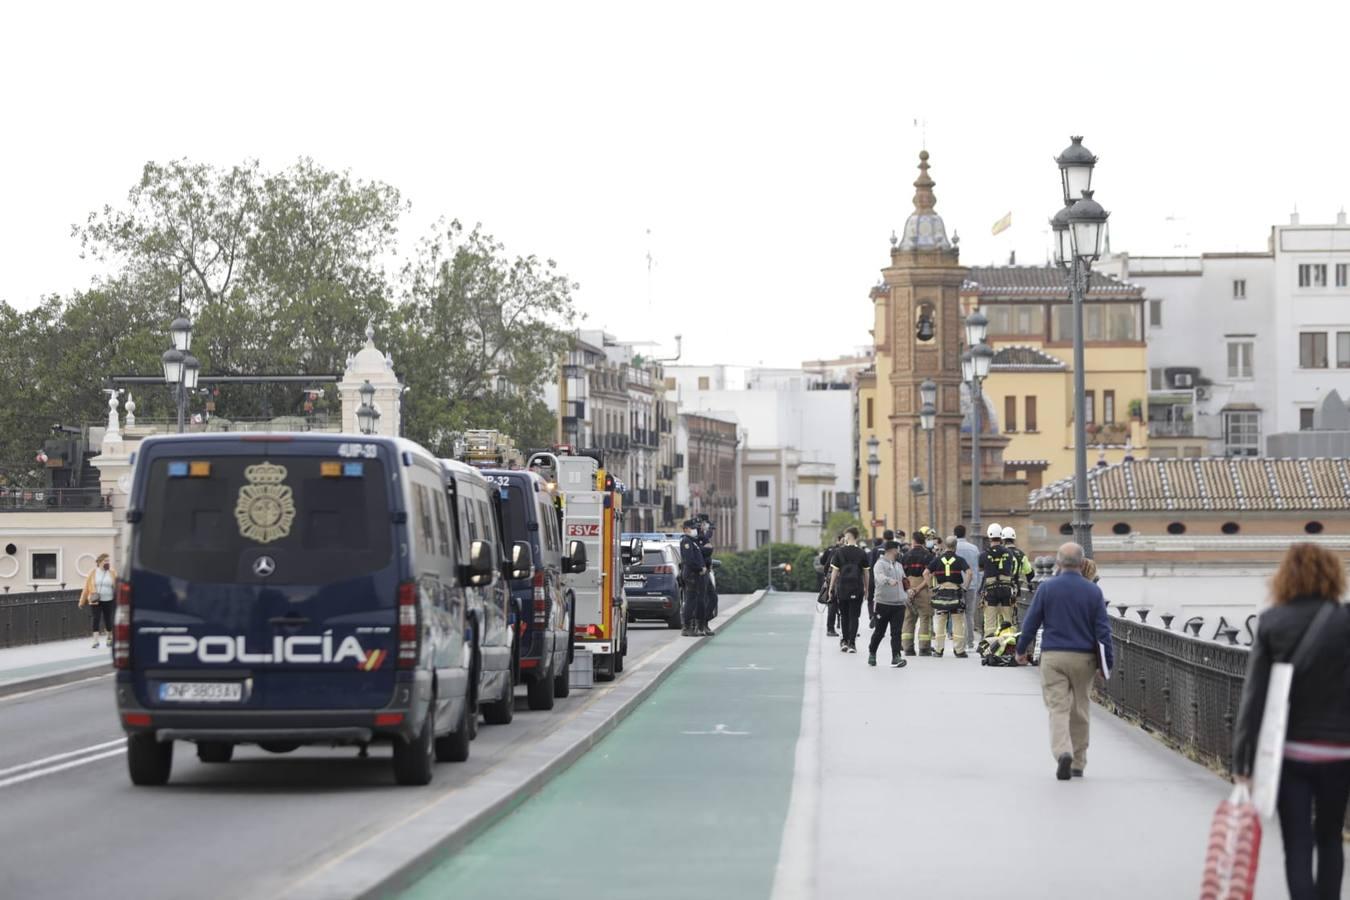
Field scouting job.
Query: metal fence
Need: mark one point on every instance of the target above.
(40, 616)
(49, 499)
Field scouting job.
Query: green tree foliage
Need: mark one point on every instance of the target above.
(742, 573)
(837, 523)
(280, 273)
(478, 336)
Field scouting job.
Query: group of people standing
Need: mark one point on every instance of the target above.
(922, 592)
(696, 579)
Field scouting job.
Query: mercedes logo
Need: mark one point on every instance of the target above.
(264, 566)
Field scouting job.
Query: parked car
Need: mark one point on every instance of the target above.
(284, 589)
(475, 507)
(651, 585)
(544, 609)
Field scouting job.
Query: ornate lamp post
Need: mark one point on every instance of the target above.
(873, 470)
(181, 368)
(1079, 228)
(975, 364)
(928, 422)
(366, 414)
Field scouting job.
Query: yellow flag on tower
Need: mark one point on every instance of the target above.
(1003, 224)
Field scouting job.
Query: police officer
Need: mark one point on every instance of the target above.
(1024, 573)
(706, 529)
(691, 574)
(918, 628)
(948, 576)
(997, 564)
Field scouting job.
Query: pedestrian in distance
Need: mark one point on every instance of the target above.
(998, 591)
(691, 577)
(878, 548)
(918, 631)
(890, 599)
(1076, 637)
(849, 569)
(831, 601)
(971, 554)
(947, 579)
(1314, 784)
(99, 593)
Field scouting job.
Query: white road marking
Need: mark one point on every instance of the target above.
(795, 876)
(60, 756)
(751, 667)
(51, 687)
(60, 767)
(718, 729)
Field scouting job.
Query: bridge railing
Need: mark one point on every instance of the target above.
(39, 616)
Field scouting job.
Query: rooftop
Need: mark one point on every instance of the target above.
(1208, 484)
(1025, 359)
(1041, 282)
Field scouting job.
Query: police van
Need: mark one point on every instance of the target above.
(475, 513)
(289, 589)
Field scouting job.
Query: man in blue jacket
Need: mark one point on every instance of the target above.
(1077, 637)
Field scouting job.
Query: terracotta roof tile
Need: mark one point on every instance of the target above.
(1040, 281)
(1019, 358)
(1230, 485)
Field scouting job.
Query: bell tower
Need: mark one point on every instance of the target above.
(918, 338)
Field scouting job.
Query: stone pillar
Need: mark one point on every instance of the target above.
(369, 364)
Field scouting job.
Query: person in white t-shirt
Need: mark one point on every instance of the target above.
(99, 593)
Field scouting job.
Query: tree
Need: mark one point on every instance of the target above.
(841, 521)
(478, 336)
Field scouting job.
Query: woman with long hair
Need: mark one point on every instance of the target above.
(1315, 776)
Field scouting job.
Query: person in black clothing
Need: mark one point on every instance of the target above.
(691, 576)
(1315, 776)
(705, 529)
(827, 585)
(947, 577)
(849, 568)
(918, 629)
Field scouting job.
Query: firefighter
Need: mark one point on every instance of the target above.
(918, 630)
(997, 564)
(691, 579)
(947, 577)
(1024, 573)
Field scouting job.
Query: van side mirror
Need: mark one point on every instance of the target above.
(479, 569)
(575, 562)
(631, 552)
(717, 564)
(522, 560)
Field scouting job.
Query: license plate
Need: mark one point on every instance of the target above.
(635, 579)
(202, 692)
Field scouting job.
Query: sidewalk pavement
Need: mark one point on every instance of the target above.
(32, 666)
(936, 780)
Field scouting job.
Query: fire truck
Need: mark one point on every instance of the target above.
(487, 448)
(592, 513)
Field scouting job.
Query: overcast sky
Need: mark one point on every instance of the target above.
(769, 148)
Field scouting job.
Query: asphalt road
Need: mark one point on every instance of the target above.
(75, 827)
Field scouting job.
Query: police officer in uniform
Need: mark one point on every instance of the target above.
(997, 564)
(918, 628)
(691, 575)
(705, 541)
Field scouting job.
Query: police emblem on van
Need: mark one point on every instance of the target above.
(266, 507)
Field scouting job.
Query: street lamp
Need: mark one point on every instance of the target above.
(1079, 228)
(975, 368)
(928, 422)
(366, 414)
(873, 470)
(180, 367)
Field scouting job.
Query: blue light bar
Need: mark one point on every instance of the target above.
(178, 469)
(353, 470)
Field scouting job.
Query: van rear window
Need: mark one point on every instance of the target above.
(514, 521)
(317, 526)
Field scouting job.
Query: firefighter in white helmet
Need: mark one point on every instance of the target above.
(998, 567)
(1023, 571)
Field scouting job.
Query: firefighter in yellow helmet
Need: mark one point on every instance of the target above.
(999, 568)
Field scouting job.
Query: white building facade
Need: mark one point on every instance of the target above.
(1242, 346)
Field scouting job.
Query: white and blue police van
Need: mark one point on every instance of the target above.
(293, 589)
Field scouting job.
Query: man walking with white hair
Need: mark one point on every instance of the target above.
(1073, 613)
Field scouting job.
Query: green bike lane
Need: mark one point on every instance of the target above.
(687, 797)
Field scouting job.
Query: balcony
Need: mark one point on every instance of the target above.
(679, 460)
(617, 442)
(52, 500)
(1164, 429)
(667, 473)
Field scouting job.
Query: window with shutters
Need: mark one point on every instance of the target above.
(1009, 413)
(1031, 414)
(1089, 407)
(1109, 407)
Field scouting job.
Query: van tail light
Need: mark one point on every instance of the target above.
(540, 600)
(122, 627)
(664, 570)
(408, 643)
